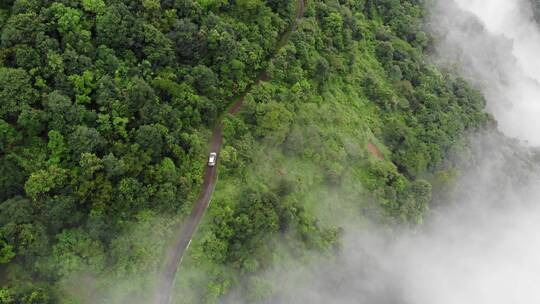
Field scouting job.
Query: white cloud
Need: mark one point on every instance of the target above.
(484, 246)
(497, 44)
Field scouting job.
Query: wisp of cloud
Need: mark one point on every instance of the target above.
(496, 44)
(483, 246)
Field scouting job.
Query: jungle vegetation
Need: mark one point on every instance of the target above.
(106, 107)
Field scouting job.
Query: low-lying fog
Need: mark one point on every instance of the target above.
(483, 246)
(496, 45)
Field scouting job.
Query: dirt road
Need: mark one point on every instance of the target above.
(175, 255)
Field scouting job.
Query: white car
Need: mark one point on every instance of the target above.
(212, 159)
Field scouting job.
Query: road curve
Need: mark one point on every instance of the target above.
(175, 255)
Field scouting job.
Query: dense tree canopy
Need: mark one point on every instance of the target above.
(106, 106)
(353, 119)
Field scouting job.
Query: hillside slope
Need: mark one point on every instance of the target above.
(106, 106)
(352, 122)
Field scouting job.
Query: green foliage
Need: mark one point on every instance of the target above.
(415, 203)
(8, 135)
(5, 296)
(273, 120)
(76, 252)
(43, 181)
(83, 85)
(68, 18)
(16, 91)
(85, 139)
(106, 107)
(6, 252)
(353, 122)
(57, 147)
(93, 6)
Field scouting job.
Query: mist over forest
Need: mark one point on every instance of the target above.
(269, 151)
(479, 242)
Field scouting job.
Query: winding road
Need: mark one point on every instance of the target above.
(175, 255)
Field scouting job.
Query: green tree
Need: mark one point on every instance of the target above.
(6, 253)
(15, 91)
(84, 139)
(44, 181)
(152, 138)
(93, 6)
(57, 147)
(76, 252)
(21, 29)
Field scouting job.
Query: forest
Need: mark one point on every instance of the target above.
(106, 107)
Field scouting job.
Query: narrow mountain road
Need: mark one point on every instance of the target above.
(175, 255)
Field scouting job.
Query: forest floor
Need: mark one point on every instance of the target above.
(375, 151)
